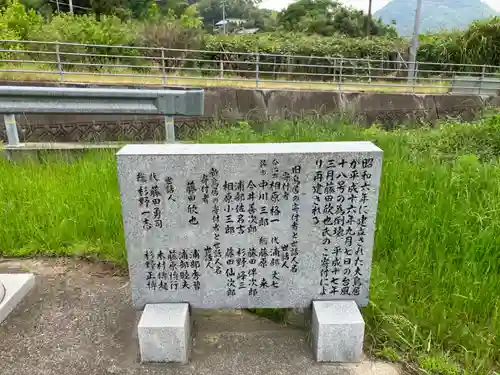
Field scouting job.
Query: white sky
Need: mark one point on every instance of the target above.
(361, 4)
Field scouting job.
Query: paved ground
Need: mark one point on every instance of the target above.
(79, 320)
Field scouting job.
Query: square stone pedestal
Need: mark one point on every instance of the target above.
(338, 331)
(164, 333)
(13, 288)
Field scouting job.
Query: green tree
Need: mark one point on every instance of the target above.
(117, 7)
(328, 17)
(139, 8)
(172, 32)
(211, 10)
(263, 19)
(178, 7)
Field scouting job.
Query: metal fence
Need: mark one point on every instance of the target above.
(108, 64)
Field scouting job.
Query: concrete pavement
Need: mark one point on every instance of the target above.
(78, 319)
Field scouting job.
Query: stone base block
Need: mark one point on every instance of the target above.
(338, 331)
(164, 333)
(13, 288)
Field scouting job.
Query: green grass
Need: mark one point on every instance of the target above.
(122, 76)
(435, 294)
(60, 208)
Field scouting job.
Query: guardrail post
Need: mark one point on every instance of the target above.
(340, 74)
(163, 74)
(59, 65)
(257, 58)
(11, 128)
(221, 68)
(169, 129)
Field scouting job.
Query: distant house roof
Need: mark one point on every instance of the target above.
(230, 20)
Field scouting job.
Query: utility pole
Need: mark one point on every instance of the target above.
(57, 4)
(369, 20)
(71, 6)
(414, 42)
(224, 15)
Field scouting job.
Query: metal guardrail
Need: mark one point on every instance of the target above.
(72, 62)
(18, 99)
(476, 86)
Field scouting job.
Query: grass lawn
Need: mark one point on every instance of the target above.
(435, 301)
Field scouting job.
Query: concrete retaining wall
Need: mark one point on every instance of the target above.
(225, 105)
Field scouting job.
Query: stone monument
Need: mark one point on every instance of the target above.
(13, 288)
(2, 292)
(287, 225)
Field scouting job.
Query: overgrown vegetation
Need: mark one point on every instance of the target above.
(435, 295)
(182, 28)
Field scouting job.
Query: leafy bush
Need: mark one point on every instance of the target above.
(442, 47)
(481, 139)
(19, 23)
(481, 43)
(87, 29)
(306, 45)
(283, 45)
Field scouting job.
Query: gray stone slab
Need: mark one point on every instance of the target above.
(17, 286)
(338, 331)
(249, 225)
(164, 333)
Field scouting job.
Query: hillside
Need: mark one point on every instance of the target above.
(436, 14)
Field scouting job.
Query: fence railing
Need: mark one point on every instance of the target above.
(107, 64)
